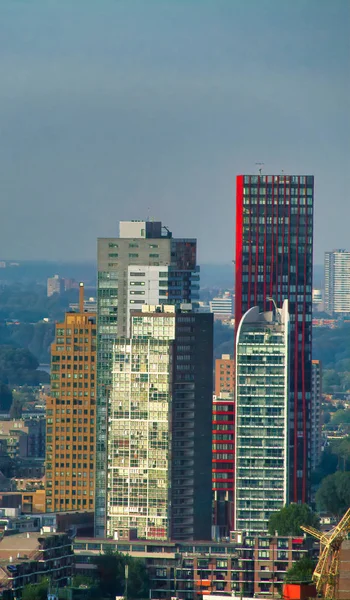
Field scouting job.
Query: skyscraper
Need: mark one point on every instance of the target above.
(261, 431)
(70, 414)
(145, 265)
(337, 282)
(274, 245)
(159, 429)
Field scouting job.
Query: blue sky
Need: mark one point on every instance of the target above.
(123, 109)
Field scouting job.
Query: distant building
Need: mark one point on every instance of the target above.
(70, 410)
(90, 306)
(337, 282)
(159, 426)
(222, 306)
(70, 284)
(261, 402)
(55, 285)
(316, 419)
(317, 300)
(223, 463)
(224, 375)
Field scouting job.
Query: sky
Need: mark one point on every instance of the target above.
(132, 109)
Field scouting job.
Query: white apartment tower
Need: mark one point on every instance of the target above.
(261, 431)
(337, 282)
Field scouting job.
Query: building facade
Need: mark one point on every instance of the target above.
(274, 247)
(316, 414)
(222, 306)
(159, 426)
(261, 432)
(337, 282)
(70, 414)
(224, 375)
(55, 285)
(145, 263)
(223, 464)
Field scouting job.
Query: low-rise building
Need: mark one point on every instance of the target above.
(189, 570)
(26, 558)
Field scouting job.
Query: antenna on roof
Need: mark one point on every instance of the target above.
(260, 165)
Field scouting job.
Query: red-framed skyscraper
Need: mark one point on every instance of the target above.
(274, 246)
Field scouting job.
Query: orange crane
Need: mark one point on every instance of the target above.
(326, 573)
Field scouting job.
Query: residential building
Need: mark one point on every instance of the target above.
(316, 413)
(55, 285)
(27, 558)
(159, 461)
(224, 375)
(144, 265)
(337, 282)
(245, 567)
(222, 306)
(223, 464)
(274, 247)
(70, 412)
(261, 403)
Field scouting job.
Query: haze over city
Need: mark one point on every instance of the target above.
(125, 110)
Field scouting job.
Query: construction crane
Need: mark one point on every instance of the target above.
(326, 573)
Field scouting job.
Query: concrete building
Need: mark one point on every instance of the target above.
(159, 426)
(337, 282)
(55, 285)
(316, 413)
(222, 306)
(70, 414)
(223, 464)
(261, 401)
(274, 252)
(144, 264)
(224, 375)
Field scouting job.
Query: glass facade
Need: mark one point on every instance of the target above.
(114, 296)
(274, 247)
(139, 435)
(261, 477)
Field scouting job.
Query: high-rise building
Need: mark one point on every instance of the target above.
(55, 285)
(70, 414)
(316, 418)
(159, 458)
(274, 244)
(224, 375)
(261, 403)
(337, 282)
(144, 265)
(223, 463)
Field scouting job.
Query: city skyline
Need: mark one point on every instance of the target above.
(127, 111)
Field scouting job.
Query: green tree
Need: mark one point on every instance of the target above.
(288, 520)
(341, 417)
(301, 571)
(36, 591)
(5, 397)
(110, 571)
(333, 494)
(16, 407)
(138, 582)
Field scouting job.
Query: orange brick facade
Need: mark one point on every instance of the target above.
(224, 375)
(70, 414)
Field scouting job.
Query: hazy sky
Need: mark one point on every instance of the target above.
(123, 109)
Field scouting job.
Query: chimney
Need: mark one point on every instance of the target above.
(81, 297)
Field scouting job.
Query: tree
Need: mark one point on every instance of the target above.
(16, 407)
(341, 417)
(288, 520)
(5, 397)
(138, 582)
(301, 571)
(111, 573)
(333, 494)
(36, 591)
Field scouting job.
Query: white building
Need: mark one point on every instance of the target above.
(337, 282)
(261, 432)
(222, 306)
